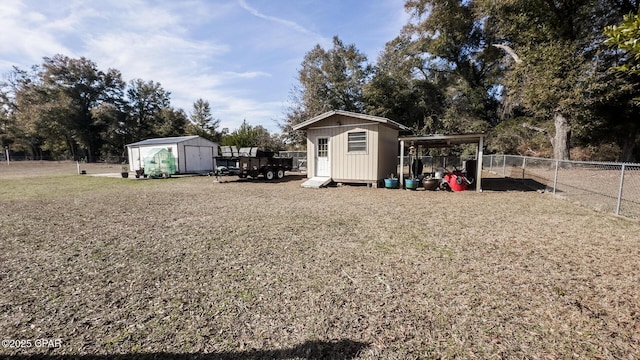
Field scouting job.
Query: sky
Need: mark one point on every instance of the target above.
(240, 55)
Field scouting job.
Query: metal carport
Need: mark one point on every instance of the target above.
(440, 141)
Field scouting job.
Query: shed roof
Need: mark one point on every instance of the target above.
(387, 122)
(166, 140)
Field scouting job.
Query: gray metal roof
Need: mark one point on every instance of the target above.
(390, 123)
(444, 140)
(162, 141)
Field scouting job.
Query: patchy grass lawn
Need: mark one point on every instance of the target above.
(269, 270)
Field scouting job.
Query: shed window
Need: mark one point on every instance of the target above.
(356, 141)
(323, 147)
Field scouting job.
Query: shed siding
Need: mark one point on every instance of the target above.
(388, 152)
(180, 155)
(311, 153)
(135, 161)
(359, 166)
(345, 166)
(376, 163)
(199, 141)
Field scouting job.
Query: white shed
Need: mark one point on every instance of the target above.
(193, 154)
(349, 147)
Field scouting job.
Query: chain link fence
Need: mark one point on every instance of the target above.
(607, 187)
(299, 162)
(432, 163)
(101, 159)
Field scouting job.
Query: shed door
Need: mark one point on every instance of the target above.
(198, 158)
(323, 165)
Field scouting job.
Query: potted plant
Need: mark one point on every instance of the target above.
(125, 171)
(430, 183)
(140, 172)
(391, 182)
(411, 184)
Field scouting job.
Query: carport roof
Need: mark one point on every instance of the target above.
(162, 141)
(438, 140)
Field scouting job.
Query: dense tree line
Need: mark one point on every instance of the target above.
(68, 107)
(539, 76)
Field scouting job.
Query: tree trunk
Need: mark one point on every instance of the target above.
(629, 145)
(71, 147)
(560, 141)
(89, 152)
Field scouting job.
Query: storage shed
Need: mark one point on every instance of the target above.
(350, 147)
(193, 154)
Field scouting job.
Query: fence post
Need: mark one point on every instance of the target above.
(555, 179)
(524, 165)
(620, 189)
(504, 165)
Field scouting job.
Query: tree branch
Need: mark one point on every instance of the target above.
(535, 128)
(509, 51)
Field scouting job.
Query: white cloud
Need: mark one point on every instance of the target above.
(287, 23)
(247, 75)
(10, 8)
(239, 57)
(282, 36)
(23, 36)
(145, 55)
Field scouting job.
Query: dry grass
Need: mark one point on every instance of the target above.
(250, 270)
(29, 169)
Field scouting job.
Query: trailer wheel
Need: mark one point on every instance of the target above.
(269, 174)
(280, 173)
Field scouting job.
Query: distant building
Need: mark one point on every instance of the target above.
(193, 154)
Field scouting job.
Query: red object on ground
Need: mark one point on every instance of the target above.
(456, 181)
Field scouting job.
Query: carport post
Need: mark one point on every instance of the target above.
(401, 163)
(479, 165)
(555, 179)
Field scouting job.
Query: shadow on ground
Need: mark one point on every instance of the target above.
(510, 184)
(341, 350)
(287, 178)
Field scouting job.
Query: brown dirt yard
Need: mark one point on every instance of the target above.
(190, 268)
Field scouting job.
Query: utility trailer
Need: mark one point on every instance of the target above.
(270, 168)
(251, 162)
